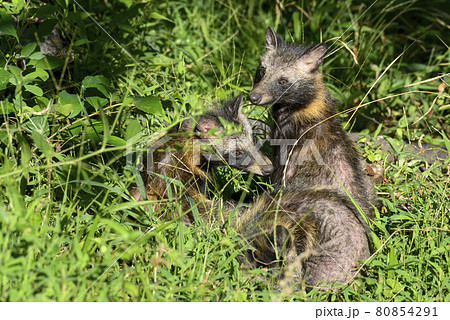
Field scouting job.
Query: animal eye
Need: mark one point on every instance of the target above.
(238, 153)
(260, 72)
(282, 81)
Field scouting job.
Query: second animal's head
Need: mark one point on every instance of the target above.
(226, 137)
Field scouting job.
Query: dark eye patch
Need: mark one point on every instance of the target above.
(260, 72)
(240, 159)
(238, 153)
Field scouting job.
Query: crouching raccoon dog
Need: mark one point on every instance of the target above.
(185, 155)
(309, 220)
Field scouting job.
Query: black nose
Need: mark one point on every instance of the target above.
(254, 97)
(267, 169)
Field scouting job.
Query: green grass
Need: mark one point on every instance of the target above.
(69, 231)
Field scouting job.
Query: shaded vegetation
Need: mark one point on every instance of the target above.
(69, 231)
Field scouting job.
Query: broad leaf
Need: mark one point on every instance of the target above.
(34, 90)
(151, 105)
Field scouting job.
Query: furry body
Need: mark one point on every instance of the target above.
(303, 111)
(310, 205)
(309, 232)
(181, 163)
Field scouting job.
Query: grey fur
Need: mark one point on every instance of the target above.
(312, 197)
(187, 152)
(318, 226)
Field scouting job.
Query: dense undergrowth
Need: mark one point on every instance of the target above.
(124, 71)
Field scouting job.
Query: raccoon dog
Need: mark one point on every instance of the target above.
(304, 112)
(185, 155)
(310, 219)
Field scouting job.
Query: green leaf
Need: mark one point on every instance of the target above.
(46, 27)
(128, 3)
(36, 122)
(81, 42)
(9, 107)
(100, 83)
(18, 5)
(47, 63)
(116, 141)
(95, 89)
(66, 99)
(156, 15)
(377, 131)
(151, 105)
(25, 151)
(296, 24)
(446, 140)
(392, 260)
(28, 49)
(65, 109)
(394, 144)
(15, 71)
(96, 101)
(93, 132)
(39, 73)
(37, 56)
(403, 122)
(4, 79)
(438, 251)
(42, 144)
(46, 11)
(162, 60)
(133, 128)
(7, 25)
(376, 241)
(75, 129)
(113, 140)
(400, 217)
(34, 90)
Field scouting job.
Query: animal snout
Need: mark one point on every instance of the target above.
(254, 97)
(267, 169)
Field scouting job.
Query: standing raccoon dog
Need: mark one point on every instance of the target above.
(311, 222)
(187, 152)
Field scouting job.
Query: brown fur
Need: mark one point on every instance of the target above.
(315, 230)
(173, 166)
(185, 155)
(312, 195)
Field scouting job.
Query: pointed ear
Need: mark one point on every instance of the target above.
(234, 106)
(314, 57)
(206, 123)
(272, 39)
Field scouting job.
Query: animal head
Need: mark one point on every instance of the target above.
(288, 72)
(237, 149)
